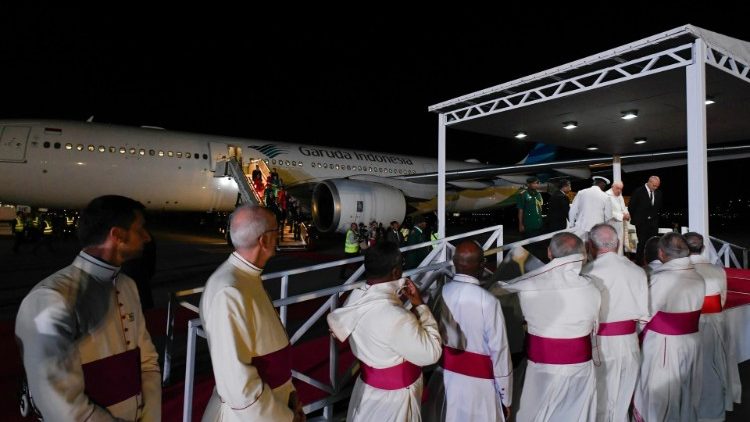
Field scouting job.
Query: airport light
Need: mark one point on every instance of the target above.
(640, 141)
(520, 135)
(710, 100)
(570, 125)
(592, 147)
(629, 114)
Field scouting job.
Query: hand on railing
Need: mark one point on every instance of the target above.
(410, 291)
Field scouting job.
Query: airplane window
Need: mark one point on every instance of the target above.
(170, 153)
(348, 167)
(294, 164)
(266, 160)
(122, 150)
(101, 148)
(187, 155)
(91, 148)
(179, 154)
(132, 151)
(112, 149)
(79, 147)
(46, 144)
(325, 165)
(205, 156)
(337, 166)
(151, 152)
(57, 145)
(330, 165)
(370, 169)
(318, 165)
(312, 165)
(286, 162)
(300, 164)
(68, 146)
(273, 161)
(141, 151)
(197, 156)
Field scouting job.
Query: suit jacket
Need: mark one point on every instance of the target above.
(559, 207)
(641, 210)
(395, 237)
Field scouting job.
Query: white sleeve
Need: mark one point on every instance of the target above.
(417, 340)
(497, 342)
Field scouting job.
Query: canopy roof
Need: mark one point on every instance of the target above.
(647, 75)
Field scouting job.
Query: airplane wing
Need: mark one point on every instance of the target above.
(580, 167)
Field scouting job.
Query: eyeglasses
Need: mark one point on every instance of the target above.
(269, 231)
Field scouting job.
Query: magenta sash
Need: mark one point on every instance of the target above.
(558, 351)
(275, 368)
(711, 304)
(113, 379)
(467, 363)
(392, 378)
(619, 328)
(673, 323)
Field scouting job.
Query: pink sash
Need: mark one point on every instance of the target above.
(711, 304)
(619, 328)
(558, 351)
(113, 379)
(467, 363)
(392, 378)
(673, 323)
(275, 368)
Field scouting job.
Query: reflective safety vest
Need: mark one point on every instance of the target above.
(19, 225)
(35, 222)
(47, 228)
(351, 245)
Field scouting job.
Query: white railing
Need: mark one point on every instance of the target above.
(425, 276)
(726, 256)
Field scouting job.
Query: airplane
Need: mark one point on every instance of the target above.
(63, 164)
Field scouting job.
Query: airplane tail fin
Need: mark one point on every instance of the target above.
(539, 154)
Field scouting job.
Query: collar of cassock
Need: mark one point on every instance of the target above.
(243, 263)
(676, 264)
(98, 269)
(465, 278)
(575, 260)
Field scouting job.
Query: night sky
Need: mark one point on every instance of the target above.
(359, 77)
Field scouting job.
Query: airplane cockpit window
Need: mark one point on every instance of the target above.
(57, 145)
(101, 148)
(151, 152)
(68, 146)
(141, 151)
(79, 147)
(161, 153)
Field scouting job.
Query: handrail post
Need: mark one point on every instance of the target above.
(284, 293)
(168, 345)
(187, 404)
(333, 364)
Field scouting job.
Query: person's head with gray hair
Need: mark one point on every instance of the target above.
(695, 242)
(651, 250)
(253, 232)
(603, 238)
(564, 244)
(672, 246)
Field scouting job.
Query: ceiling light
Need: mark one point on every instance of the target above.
(710, 100)
(570, 125)
(629, 114)
(592, 147)
(640, 141)
(520, 135)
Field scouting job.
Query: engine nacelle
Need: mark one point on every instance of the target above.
(337, 203)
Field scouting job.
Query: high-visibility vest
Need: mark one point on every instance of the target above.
(35, 222)
(351, 246)
(47, 228)
(19, 225)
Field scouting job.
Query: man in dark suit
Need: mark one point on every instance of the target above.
(394, 234)
(559, 207)
(645, 204)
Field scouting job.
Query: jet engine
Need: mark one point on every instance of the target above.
(337, 203)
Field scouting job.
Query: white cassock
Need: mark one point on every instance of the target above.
(473, 329)
(384, 336)
(721, 383)
(617, 214)
(560, 307)
(589, 208)
(669, 386)
(624, 289)
(249, 347)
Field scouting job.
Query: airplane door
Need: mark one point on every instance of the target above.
(219, 152)
(13, 143)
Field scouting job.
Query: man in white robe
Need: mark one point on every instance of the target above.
(720, 371)
(624, 289)
(391, 343)
(590, 207)
(619, 215)
(669, 386)
(86, 352)
(561, 308)
(473, 382)
(249, 347)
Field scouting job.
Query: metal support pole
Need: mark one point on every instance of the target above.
(696, 141)
(284, 293)
(187, 400)
(616, 169)
(442, 118)
(168, 346)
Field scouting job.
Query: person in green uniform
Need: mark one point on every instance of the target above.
(529, 204)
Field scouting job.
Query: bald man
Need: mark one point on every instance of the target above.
(249, 347)
(475, 373)
(561, 308)
(645, 204)
(624, 289)
(619, 215)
